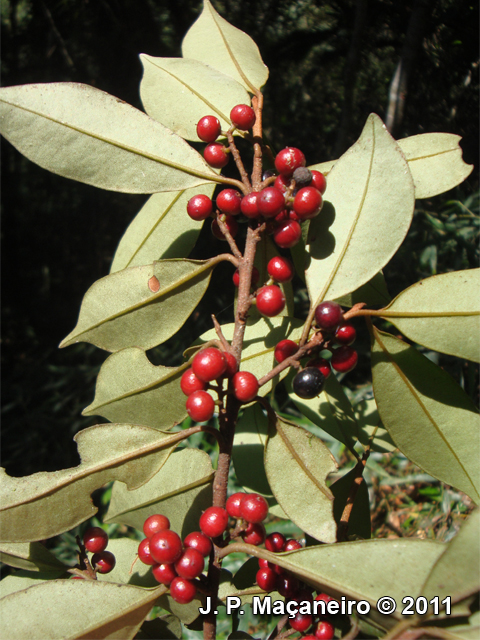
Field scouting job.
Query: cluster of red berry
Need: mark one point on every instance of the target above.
(210, 365)
(95, 540)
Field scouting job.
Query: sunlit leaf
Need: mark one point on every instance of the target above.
(248, 450)
(374, 293)
(45, 504)
(369, 208)
(297, 464)
(31, 556)
(114, 610)
(162, 229)
(181, 490)
(217, 43)
(359, 520)
(128, 568)
(140, 306)
(369, 423)
(201, 90)
(187, 613)
(88, 135)
(442, 313)
(429, 417)
(130, 387)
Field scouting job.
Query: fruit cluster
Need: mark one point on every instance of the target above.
(95, 540)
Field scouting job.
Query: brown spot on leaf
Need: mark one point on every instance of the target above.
(154, 284)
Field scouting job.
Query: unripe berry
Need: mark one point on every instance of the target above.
(255, 277)
(199, 541)
(216, 155)
(345, 334)
(266, 579)
(208, 128)
(190, 383)
(200, 406)
(242, 117)
(344, 359)
(280, 269)
(209, 364)
(233, 504)
(164, 573)
(144, 552)
(165, 547)
(318, 181)
(199, 207)
(270, 301)
(285, 349)
(322, 365)
(103, 562)
(254, 533)
(328, 315)
(154, 524)
(229, 201)
(254, 508)
(288, 159)
(213, 521)
(249, 206)
(190, 564)
(270, 202)
(95, 539)
(308, 383)
(307, 203)
(230, 223)
(182, 590)
(275, 542)
(245, 386)
(287, 234)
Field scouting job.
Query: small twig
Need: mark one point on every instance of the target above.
(353, 632)
(84, 562)
(257, 104)
(229, 238)
(227, 257)
(278, 628)
(218, 330)
(343, 525)
(238, 160)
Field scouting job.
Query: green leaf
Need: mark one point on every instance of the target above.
(248, 450)
(187, 613)
(31, 556)
(323, 167)
(130, 387)
(20, 580)
(456, 573)
(374, 293)
(114, 610)
(429, 417)
(469, 631)
(368, 213)
(297, 464)
(167, 628)
(83, 133)
(181, 490)
(442, 313)
(359, 521)
(368, 422)
(128, 568)
(46, 504)
(140, 306)
(217, 43)
(201, 90)
(162, 229)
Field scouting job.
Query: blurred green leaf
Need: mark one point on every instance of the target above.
(167, 628)
(88, 135)
(31, 556)
(248, 450)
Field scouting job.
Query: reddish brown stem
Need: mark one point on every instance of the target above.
(257, 104)
(343, 525)
(238, 161)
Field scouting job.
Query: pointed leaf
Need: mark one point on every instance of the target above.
(130, 387)
(83, 133)
(217, 43)
(297, 464)
(114, 610)
(442, 313)
(374, 293)
(429, 417)
(369, 210)
(248, 450)
(31, 556)
(162, 229)
(46, 504)
(140, 306)
(359, 522)
(201, 90)
(181, 490)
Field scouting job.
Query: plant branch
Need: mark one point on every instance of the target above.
(238, 161)
(278, 627)
(229, 238)
(257, 104)
(353, 632)
(225, 257)
(218, 330)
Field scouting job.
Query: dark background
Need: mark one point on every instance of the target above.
(331, 64)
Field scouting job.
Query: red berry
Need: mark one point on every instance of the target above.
(288, 160)
(328, 315)
(245, 386)
(270, 202)
(301, 621)
(242, 117)
(165, 547)
(318, 181)
(265, 564)
(254, 533)
(144, 552)
(254, 508)
(270, 301)
(282, 216)
(213, 521)
(216, 155)
(282, 183)
(310, 636)
(345, 334)
(199, 541)
(200, 406)
(154, 524)
(190, 383)
(307, 203)
(344, 359)
(266, 579)
(292, 545)
(209, 364)
(103, 562)
(199, 207)
(275, 542)
(324, 631)
(287, 234)
(208, 128)
(255, 277)
(232, 365)
(249, 206)
(95, 539)
(280, 269)
(233, 504)
(164, 573)
(325, 597)
(229, 201)
(287, 586)
(190, 564)
(232, 228)
(182, 590)
(285, 349)
(321, 364)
